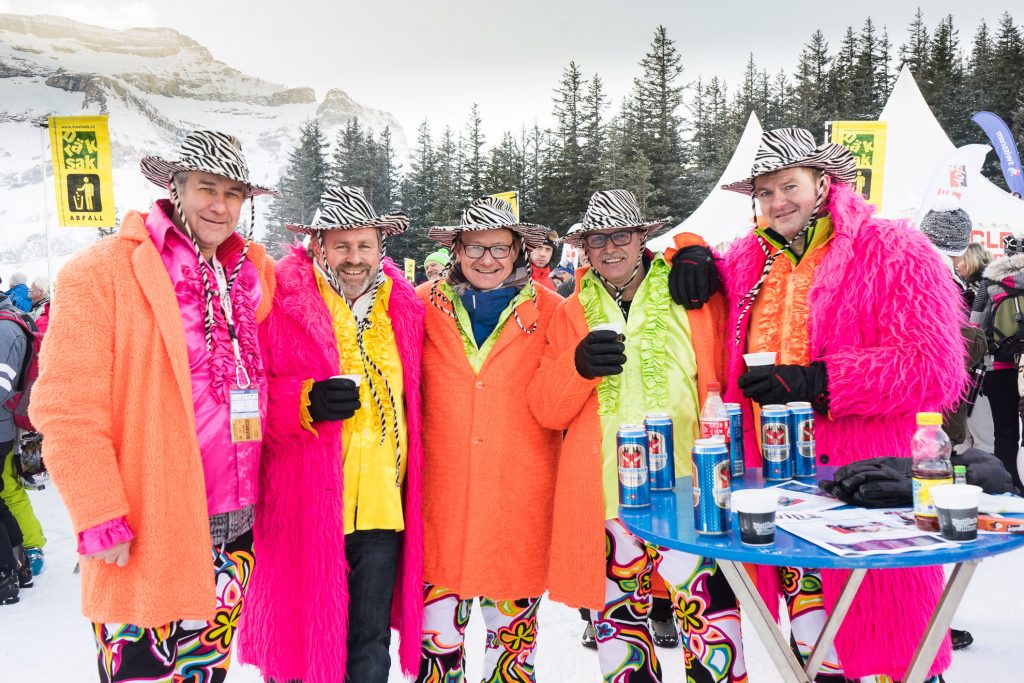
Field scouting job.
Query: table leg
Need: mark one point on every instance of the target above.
(834, 621)
(753, 606)
(940, 621)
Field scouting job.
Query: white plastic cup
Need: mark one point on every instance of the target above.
(756, 510)
(756, 359)
(358, 379)
(957, 508)
(615, 327)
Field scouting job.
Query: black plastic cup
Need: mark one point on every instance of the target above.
(757, 528)
(958, 525)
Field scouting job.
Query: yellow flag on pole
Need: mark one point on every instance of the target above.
(80, 149)
(410, 269)
(866, 140)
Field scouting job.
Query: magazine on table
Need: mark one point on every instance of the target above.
(859, 532)
(796, 495)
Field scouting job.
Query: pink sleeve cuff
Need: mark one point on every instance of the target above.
(104, 536)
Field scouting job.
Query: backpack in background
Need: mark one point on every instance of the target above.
(1006, 334)
(17, 402)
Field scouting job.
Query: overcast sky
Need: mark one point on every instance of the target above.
(434, 58)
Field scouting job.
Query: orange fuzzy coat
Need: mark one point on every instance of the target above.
(114, 403)
(489, 467)
(576, 575)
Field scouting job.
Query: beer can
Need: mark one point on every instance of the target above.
(776, 454)
(801, 434)
(661, 452)
(634, 482)
(712, 513)
(736, 462)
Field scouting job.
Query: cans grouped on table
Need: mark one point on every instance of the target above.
(776, 446)
(631, 453)
(712, 480)
(661, 451)
(801, 435)
(736, 462)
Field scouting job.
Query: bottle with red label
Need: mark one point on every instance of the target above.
(714, 418)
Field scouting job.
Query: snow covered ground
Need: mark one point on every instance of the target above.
(44, 639)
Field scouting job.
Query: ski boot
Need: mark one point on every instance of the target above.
(24, 570)
(35, 560)
(8, 587)
(664, 632)
(589, 639)
(961, 639)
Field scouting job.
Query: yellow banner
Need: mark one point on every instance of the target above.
(512, 198)
(866, 139)
(80, 148)
(410, 270)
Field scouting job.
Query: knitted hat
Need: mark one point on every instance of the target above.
(489, 213)
(792, 148)
(613, 209)
(948, 227)
(209, 152)
(440, 257)
(345, 208)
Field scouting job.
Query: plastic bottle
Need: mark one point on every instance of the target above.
(714, 418)
(930, 449)
(960, 474)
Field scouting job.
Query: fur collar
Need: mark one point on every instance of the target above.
(1000, 269)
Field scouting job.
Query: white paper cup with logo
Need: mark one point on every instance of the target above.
(755, 359)
(957, 508)
(756, 510)
(615, 327)
(356, 379)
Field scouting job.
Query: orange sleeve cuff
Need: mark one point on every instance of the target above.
(681, 241)
(305, 419)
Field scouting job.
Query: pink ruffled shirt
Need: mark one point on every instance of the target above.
(231, 470)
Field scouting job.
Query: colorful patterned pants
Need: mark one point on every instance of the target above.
(511, 638)
(194, 651)
(705, 608)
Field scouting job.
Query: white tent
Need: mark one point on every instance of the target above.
(723, 215)
(919, 156)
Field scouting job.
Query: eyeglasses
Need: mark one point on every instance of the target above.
(497, 251)
(599, 239)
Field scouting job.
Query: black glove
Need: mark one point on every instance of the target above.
(768, 384)
(600, 353)
(333, 399)
(694, 277)
(874, 483)
(984, 470)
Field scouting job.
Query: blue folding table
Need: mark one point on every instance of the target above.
(669, 522)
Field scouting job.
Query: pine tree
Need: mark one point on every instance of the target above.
(472, 156)
(943, 82)
(914, 53)
(861, 80)
(841, 99)
(1008, 68)
(347, 160)
(301, 186)
(981, 78)
(420, 186)
(810, 93)
(449, 183)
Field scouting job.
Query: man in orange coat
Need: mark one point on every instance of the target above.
(489, 467)
(151, 395)
(664, 364)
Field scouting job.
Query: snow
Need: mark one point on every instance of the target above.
(45, 639)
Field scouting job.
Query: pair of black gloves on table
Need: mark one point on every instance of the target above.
(333, 399)
(692, 280)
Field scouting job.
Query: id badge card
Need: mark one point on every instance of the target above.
(245, 416)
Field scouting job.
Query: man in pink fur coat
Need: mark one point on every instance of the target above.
(865, 322)
(339, 532)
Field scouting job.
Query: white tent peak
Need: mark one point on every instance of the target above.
(723, 215)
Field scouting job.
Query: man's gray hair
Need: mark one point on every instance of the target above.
(42, 282)
(18, 279)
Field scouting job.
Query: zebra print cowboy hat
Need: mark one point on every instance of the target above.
(614, 209)
(345, 208)
(793, 147)
(490, 213)
(207, 151)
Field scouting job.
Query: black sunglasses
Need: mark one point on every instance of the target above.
(599, 239)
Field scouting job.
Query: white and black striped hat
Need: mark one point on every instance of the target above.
(490, 213)
(207, 151)
(614, 209)
(794, 147)
(345, 208)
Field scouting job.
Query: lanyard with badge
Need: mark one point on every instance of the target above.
(245, 399)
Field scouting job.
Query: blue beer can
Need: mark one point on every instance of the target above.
(661, 452)
(712, 513)
(776, 451)
(801, 434)
(736, 462)
(631, 452)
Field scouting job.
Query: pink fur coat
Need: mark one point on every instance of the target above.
(885, 319)
(295, 620)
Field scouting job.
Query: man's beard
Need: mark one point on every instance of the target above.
(353, 291)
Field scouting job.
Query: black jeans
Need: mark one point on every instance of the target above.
(373, 565)
(1001, 390)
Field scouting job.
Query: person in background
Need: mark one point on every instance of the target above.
(970, 267)
(39, 292)
(18, 293)
(564, 279)
(541, 258)
(435, 263)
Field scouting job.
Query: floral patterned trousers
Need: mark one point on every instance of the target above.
(511, 637)
(198, 651)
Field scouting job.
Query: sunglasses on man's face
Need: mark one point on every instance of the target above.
(599, 239)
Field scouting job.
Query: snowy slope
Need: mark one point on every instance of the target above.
(46, 640)
(156, 85)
